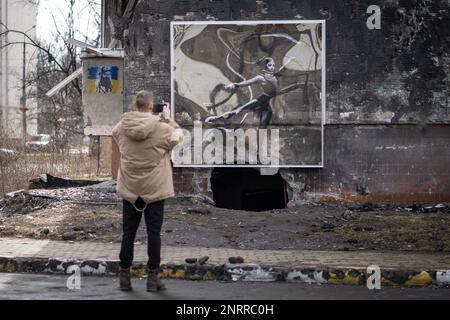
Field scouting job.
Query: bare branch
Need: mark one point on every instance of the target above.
(56, 59)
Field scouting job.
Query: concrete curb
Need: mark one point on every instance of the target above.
(228, 272)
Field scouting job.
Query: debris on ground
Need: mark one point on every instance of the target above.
(21, 203)
(424, 208)
(47, 181)
(69, 236)
(361, 229)
(195, 199)
(94, 213)
(328, 226)
(204, 211)
(191, 260)
(202, 261)
(236, 260)
(103, 194)
(350, 215)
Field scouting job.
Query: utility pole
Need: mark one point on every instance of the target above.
(24, 96)
(23, 100)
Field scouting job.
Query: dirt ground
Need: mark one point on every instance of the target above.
(190, 222)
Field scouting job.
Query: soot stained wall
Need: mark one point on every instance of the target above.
(388, 99)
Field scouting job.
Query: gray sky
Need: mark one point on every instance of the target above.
(84, 20)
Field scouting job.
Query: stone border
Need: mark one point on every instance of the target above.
(228, 272)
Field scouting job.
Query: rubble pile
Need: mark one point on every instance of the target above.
(25, 202)
(22, 203)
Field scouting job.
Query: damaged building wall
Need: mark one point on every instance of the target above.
(387, 136)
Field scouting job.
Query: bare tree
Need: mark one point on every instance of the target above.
(62, 114)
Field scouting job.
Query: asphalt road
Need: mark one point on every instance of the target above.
(47, 287)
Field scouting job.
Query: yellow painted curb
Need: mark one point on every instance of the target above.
(8, 267)
(170, 274)
(419, 280)
(139, 272)
(388, 283)
(208, 276)
(347, 280)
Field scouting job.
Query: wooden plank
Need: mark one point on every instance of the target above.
(64, 83)
(78, 43)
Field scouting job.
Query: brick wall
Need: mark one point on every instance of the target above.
(388, 105)
(383, 163)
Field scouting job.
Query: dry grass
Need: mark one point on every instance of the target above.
(16, 170)
(401, 231)
(16, 173)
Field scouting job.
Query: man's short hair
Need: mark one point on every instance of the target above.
(144, 98)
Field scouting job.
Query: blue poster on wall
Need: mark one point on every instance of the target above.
(103, 79)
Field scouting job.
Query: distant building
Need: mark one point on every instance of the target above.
(20, 15)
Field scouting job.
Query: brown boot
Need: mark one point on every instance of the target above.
(154, 283)
(125, 279)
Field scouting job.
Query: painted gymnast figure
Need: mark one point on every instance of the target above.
(269, 83)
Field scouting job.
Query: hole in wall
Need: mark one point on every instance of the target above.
(246, 189)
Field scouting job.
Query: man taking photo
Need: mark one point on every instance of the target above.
(145, 181)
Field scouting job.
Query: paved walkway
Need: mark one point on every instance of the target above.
(28, 248)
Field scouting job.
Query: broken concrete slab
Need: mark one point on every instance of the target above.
(47, 181)
(78, 195)
(21, 203)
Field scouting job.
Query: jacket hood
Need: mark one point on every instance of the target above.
(138, 126)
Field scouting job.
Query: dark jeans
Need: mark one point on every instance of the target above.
(154, 216)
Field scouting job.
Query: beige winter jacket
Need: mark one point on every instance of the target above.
(145, 142)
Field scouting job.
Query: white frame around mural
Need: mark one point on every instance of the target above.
(256, 22)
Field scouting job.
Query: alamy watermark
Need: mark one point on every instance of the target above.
(74, 281)
(374, 278)
(374, 21)
(221, 146)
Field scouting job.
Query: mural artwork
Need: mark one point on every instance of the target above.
(103, 79)
(263, 75)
